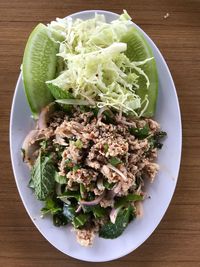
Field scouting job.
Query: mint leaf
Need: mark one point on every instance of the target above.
(60, 179)
(108, 185)
(105, 148)
(114, 161)
(59, 219)
(78, 143)
(70, 194)
(97, 210)
(110, 230)
(154, 140)
(57, 92)
(140, 133)
(80, 220)
(51, 206)
(69, 211)
(42, 176)
(122, 201)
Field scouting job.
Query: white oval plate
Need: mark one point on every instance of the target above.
(161, 191)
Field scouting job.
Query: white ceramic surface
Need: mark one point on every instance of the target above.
(161, 191)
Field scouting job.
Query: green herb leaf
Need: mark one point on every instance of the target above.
(42, 175)
(83, 191)
(105, 148)
(110, 230)
(123, 201)
(114, 161)
(69, 164)
(97, 210)
(140, 133)
(108, 185)
(51, 206)
(154, 141)
(69, 211)
(57, 92)
(60, 179)
(109, 117)
(76, 167)
(78, 143)
(59, 219)
(80, 220)
(43, 144)
(70, 194)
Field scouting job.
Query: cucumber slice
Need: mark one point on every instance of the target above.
(39, 65)
(138, 50)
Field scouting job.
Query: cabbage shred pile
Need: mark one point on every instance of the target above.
(93, 65)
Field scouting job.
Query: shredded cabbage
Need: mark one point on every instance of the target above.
(96, 68)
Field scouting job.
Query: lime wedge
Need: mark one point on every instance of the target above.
(138, 50)
(39, 65)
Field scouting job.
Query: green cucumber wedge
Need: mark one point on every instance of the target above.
(138, 50)
(39, 66)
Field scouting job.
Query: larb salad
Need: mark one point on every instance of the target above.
(92, 89)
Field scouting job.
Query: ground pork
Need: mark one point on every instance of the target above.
(106, 158)
(85, 237)
(84, 176)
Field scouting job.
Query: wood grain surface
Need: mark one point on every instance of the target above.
(176, 241)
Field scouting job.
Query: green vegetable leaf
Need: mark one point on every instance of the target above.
(69, 211)
(60, 179)
(123, 201)
(105, 148)
(114, 161)
(110, 230)
(59, 219)
(83, 191)
(76, 167)
(70, 194)
(108, 185)
(97, 210)
(42, 175)
(80, 220)
(69, 164)
(155, 140)
(78, 143)
(57, 92)
(51, 206)
(140, 133)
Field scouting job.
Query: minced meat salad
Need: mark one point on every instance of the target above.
(89, 167)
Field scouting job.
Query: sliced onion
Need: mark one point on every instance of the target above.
(45, 115)
(30, 146)
(113, 214)
(78, 209)
(100, 185)
(117, 188)
(93, 202)
(139, 189)
(59, 140)
(117, 171)
(113, 192)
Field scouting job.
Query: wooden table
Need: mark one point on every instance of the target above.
(176, 241)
